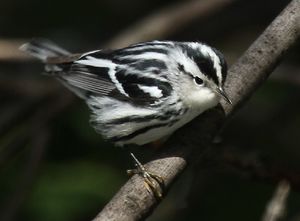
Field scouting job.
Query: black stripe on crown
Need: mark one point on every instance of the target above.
(222, 63)
(205, 63)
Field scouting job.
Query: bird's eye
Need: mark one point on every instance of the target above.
(198, 80)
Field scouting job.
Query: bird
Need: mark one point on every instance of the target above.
(140, 93)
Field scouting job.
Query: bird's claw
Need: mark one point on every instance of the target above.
(153, 183)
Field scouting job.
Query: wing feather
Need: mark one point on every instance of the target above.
(102, 74)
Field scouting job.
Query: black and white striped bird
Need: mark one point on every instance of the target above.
(143, 92)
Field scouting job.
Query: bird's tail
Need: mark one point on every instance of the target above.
(55, 59)
(43, 49)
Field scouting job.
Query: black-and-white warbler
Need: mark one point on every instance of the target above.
(140, 93)
(143, 92)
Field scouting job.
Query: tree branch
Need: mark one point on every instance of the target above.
(10, 50)
(275, 209)
(133, 202)
(167, 21)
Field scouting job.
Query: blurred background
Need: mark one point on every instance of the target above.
(53, 166)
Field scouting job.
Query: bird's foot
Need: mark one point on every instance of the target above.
(153, 183)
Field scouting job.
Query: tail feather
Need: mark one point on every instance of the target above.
(43, 49)
(47, 51)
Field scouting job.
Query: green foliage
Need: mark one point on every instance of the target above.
(70, 190)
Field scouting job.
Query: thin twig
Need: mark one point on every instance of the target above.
(133, 202)
(275, 209)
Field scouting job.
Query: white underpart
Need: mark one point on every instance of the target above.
(152, 90)
(164, 131)
(95, 62)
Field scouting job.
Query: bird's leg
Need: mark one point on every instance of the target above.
(154, 183)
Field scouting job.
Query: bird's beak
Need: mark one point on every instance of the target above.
(223, 94)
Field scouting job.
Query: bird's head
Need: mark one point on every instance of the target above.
(203, 70)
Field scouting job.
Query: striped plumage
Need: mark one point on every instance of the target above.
(143, 92)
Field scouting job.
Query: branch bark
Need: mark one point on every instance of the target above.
(133, 202)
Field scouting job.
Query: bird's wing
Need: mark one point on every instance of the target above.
(132, 73)
(83, 77)
(101, 73)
